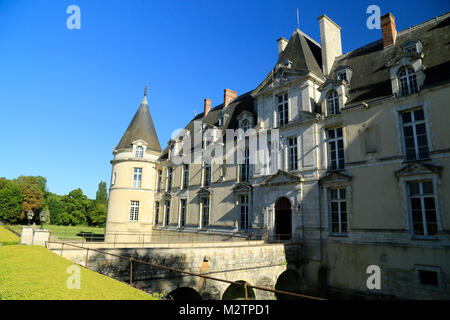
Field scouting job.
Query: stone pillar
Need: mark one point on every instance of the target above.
(26, 236)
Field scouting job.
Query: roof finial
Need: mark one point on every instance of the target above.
(298, 20)
(145, 91)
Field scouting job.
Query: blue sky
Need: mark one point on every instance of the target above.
(67, 96)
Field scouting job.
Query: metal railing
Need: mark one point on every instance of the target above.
(131, 260)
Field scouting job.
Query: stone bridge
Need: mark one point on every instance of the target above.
(275, 266)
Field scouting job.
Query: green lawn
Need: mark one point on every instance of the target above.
(7, 237)
(35, 273)
(70, 232)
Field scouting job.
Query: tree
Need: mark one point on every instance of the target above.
(10, 202)
(102, 195)
(33, 196)
(56, 208)
(76, 204)
(97, 214)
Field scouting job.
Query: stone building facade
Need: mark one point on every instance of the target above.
(358, 171)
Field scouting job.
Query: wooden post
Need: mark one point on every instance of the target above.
(131, 271)
(87, 255)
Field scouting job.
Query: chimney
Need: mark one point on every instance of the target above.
(228, 95)
(330, 39)
(282, 43)
(207, 106)
(388, 29)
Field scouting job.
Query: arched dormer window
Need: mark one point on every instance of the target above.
(245, 125)
(407, 81)
(333, 102)
(139, 152)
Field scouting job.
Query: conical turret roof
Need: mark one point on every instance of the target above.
(141, 127)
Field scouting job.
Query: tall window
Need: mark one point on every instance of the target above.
(423, 209)
(169, 178)
(167, 212)
(338, 210)
(245, 167)
(159, 179)
(156, 212)
(205, 212)
(114, 177)
(134, 210)
(293, 164)
(139, 152)
(407, 80)
(335, 149)
(244, 212)
(185, 176)
(207, 174)
(415, 135)
(137, 177)
(183, 212)
(283, 109)
(333, 103)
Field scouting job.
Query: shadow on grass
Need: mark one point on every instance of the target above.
(91, 236)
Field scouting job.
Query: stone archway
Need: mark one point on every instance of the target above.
(289, 281)
(283, 219)
(237, 292)
(185, 293)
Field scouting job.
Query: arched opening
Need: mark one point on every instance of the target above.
(289, 281)
(237, 292)
(283, 219)
(185, 293)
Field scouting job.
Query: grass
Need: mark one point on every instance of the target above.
(69, 232)
(7, 237)
(36, 273)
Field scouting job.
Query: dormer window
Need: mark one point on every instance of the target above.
(333, 103)
(407, 81)
(221, 121)
(342, 75)
(245, 125)
(412, 46)
(139, 152)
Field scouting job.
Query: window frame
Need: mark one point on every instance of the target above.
(422, 197)
(169, 178)
(183, 214)
(185, 183)
(410, 80)
(334, 108)
(339, 200)
(283, 114)
(167, 212)
(137, 177)
(336, 140)
(292, 154)
(134, 211)
(244, 224)
(139, 153)
(157, 208)
(414, 123)
(205, 222)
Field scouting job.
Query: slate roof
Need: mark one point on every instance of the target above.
(141, 127)
(244, 102)
(371, 78)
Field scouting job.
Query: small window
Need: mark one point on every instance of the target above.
(333, 102)
(407, 81)
(169, 178)
(185, 176)
(245, 125)
(221, 121)
(342, 75)
(245, 167)
(134, 210)
(429, 278)
(139, 152)
(159, 180)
